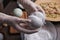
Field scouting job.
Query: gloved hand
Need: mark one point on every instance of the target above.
(35, 13)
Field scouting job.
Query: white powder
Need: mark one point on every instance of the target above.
(41, 35)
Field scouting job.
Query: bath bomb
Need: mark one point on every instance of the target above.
(18, 12)
(40, 15)
(36, 22)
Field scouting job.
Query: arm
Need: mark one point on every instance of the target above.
(30, 7)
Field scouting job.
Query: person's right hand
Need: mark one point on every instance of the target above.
(4, 17)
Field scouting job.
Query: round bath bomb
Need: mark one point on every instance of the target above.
(18, 12)
(36, 22)
(40, 15)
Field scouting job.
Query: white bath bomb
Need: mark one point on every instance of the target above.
(18, 12)
(40, 15)
(36, 22)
